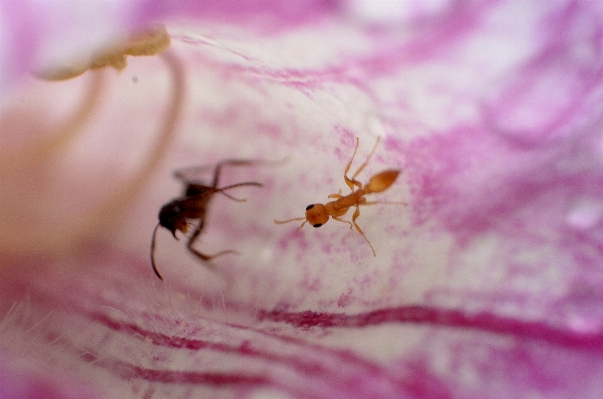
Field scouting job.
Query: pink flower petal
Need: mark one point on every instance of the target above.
(485, 285)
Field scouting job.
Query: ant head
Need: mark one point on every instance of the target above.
(316, 215)
(170, 217)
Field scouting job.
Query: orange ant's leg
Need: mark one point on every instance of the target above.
(367, 160)
(356, 214)
(200, 255)
(336, 195)
(363, 201)
(344, 221)
(384, 203)
(349, 182)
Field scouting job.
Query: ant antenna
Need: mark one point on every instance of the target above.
(287, 221)
(153, 253)
(291, 220)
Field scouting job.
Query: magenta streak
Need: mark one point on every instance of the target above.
(336, 377)
(173, 376)
(197, 344)
(128, 371)
(441, 317)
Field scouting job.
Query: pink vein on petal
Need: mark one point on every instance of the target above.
(315, 364)
(418, 314)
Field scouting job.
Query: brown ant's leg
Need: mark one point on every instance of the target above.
(200, 192)
(200, 255)
(356, 214)
(248, 183)
(240, 162)
(153, 253)
(233, 162)
(181, 173)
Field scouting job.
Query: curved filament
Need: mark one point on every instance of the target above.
(52, 143)
(113, 206)
(55, 239)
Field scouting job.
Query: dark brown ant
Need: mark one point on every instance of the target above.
(175, 215)
(318, 214)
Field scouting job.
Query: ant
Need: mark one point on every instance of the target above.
(318, 214)
(193, 205)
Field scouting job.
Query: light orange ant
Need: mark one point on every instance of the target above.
(318, 214)
(193, 205)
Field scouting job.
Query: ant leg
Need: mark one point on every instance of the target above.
(384, 203)
(367, 159)
(344, 221)
(249, 183)
(233, 162)
(201, 255)
(337, 195)
(153, 252)
(350, 182)
(356, 214)
(363, 201)
(199, 193)
(241, 162)
(180, 173)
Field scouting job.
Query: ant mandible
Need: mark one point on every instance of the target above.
(175, 215)
(318, 214)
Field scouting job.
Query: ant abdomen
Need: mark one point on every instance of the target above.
(382, 181)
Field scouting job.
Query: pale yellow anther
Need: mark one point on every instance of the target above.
(150, 41)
